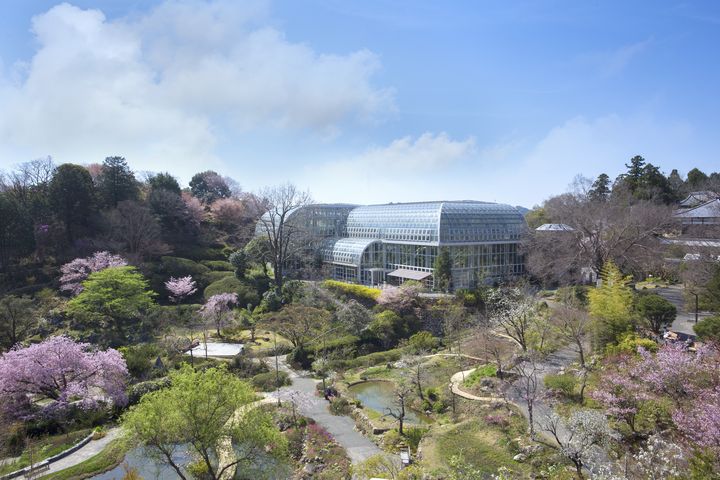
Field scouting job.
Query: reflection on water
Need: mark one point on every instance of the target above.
(146, 466)
(379, 396)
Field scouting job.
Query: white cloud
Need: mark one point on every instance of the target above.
(159, 87)
(404, 170)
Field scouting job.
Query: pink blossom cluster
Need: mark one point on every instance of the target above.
(64, 371)
(180, 288)
(690, 379)
(218, 305)
(400, 299)
(77, 271)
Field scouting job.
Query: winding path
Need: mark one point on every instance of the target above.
(302, 393)
(86, 452)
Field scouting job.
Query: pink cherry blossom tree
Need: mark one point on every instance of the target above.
(77, 271)
(62, 371)
(180, 288)
(217, 309)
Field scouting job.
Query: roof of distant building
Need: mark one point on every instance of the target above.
(698, 198)
(554, 227)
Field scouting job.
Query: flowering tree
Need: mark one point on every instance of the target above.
(586, 430)
(77, 271)
(621, 390)
(402, 299)
(63, 371)
(180, 288)
(217, 308)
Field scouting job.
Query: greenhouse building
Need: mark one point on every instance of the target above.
(393, 243)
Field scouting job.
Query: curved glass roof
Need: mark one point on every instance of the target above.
(345, 251)
(437, 223)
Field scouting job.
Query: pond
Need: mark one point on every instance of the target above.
(217, 349)
(379, 396)
(264, 467)
(146, 466)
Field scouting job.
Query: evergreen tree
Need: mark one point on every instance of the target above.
(116, 182)
(73, 197)
(209, 186)
(610, 305)
(600, 190)
(696, 178)
(443, 270)
(633, 177)
(164, 181)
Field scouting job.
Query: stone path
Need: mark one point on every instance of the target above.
(302, 392)
(685, 318)
(87, 451)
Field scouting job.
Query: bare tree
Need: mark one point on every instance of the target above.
(496, 348)
(415, 364)
(626, 233)
(283, 235)
(398, 411)
(137, 229)
(526, 386)
(574, 327)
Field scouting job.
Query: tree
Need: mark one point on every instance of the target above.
(402, 300)
(209, 186)
(72, 197)
(180, 288)
(600, 190)
(388, 327)
(574, 327)
(587, 429)
(611, 305)
(218, 308)
(696, 178)
(113, 299)
(634, 175)
(299, 323)
(116, 182)
(442, 270)
(526, 386)
(354, 316)
(514, 312)
(74, 273)
(708, 329)
(239, 261)
(284, 237)
(229, 213)
(626, 233)
(16, 235)
(657, 311)
(164, 181)
(62, 371)
(401, 395)
(202, 410)
(17, 319)
(258, 253)
(135, 227)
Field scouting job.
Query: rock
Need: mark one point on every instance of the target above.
(520, 457)
(531, 449)
(309, 468)
(487, 383)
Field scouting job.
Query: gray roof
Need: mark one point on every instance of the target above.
(709, 209)
(554, 227)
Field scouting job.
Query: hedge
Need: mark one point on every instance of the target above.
(339, 343)
(246, 293)
(212, 277)
(182, 267)
(218, 265)
(266, 382)
(353, 290)
(371, 359)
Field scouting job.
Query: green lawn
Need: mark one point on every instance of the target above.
(44, 447)
(106, 460)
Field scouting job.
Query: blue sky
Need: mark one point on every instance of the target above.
(369, 101)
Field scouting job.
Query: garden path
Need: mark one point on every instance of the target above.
(87, 451)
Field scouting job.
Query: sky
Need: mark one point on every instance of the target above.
(366, 101)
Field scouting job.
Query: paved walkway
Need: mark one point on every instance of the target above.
(456, 381)
(302, 392)
(89, 450)
(685, 318)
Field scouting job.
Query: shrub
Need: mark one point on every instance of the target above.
(423, 341)
(267, 382)
(630, 343)
(199, 253)
(218, 265)
(245, 293)
(182, 267)
(139, 359)
(564, 383)
(345, 343)
(497, 420)
(371, 359)
(360, 292)
(479, 373)
(340, 406)
(135, 392)
(212, 277)
(413, 436)
(302, 357)
(708, 329)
